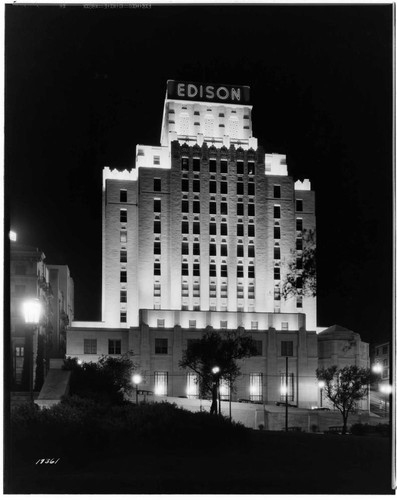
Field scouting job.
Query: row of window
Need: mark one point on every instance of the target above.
(213, 270)
(222, 324)
(222, 166)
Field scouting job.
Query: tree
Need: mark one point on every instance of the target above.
(217, 350)
(301, 278)
(345, 387)
(108, 380)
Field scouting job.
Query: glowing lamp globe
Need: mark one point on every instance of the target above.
(32, 311)
(137, 379)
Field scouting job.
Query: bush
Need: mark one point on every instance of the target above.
(365, 429)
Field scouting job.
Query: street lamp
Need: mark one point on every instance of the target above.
(32, 313)
(137, 379)
(215, 370)
(377, 368)
(284, 392)
(386, 389)
(321, 385)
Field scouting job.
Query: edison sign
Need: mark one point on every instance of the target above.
(189, 91)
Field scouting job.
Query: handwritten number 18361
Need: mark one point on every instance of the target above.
(47, 461)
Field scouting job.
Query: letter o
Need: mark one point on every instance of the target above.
(224, 96)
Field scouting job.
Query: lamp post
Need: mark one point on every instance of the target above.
(377, 368)
(215, 370)
(386, 389)
(284, 391)
(137, 379)
(321, 385)
(32, 312)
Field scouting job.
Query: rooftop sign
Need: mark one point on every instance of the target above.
(192, 91)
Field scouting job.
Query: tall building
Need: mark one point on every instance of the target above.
(202, 234)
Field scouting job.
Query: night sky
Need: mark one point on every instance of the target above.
(84, 86)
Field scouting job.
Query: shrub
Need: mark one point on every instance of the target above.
(365, 429)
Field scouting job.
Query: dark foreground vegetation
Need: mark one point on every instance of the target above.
(159, 448)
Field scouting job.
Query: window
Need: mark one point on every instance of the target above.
(240, 208)
(299, 243)
(224, 271)
(299, 282)
(196, 248)
(251, 251)
(287, 347)
(160, 346)
(240, 167)
(299, 301)
(185, 269)
(251, 168)
(196, 185)
(251, 271)
(212, 249)
(123, 196)
(156, 184)
(185, 184)
(19, 351)
(240, 250)
(299, 224)
(276, 273)
(196, 227)
(185, 227)
(196, 164)
(212, 289)
(251, 209)
(192, 324)
(90, 346)
(123, 255)
(192, 386)
(224, 390)
(276, 191)
(277, 211)
(251, 291)
(157, 269)
(212, 165)
(223, 166)
(223, 229)
(251, 189)
(123, 317)
(160, 383)
(224, 208)
(185, 163)
(157, 289)
(240, 188)
(123, 215)
(157, 226)
(240, 291)
(224, 250)
(156, 160)
(185, 206)
(212, 228)
(240, 229)
(196, 269)
(251, 230)
(123, 295)
(256, 386)
(123, 276)
(185, 248)
(185, 289)
(156, 205)
(277, 232)
(212, 186)
(114, 346)
(277, 253)
(284, 387)
(196, 207)
(160, 323)
(123, 236)
(157, 247)
(254, 325)
(299, 263)
(258, 346)
(212, 207)
(240, 271)
(284, 325)
(299, 205)
(223, 324)
(212, 270)
(224, 290)
(277, 294)
(224, 187)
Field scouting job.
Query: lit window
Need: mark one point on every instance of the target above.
(284, 325)
(123, 317)
(157, 290)
(123, 236)
(156, 205)
(123, 295)
(123, 195)
(251, 291)
(284, 387)
(123, 215)
(196, 290)
(19, 351)
(156, 184)
(254, 325)
(192, 388)
(299, 205)
(160, 383)
(161, 346)
(156, 160)
(114, 346)
(276, 191)
(224, 290)
(240, 291)
(157, 247)
(212, 290)
(123, 276)
(192, 324)
(299, 301)
(160, 323)
(223, 324)
(224, 390)
(256, 386)
(277, 294)
(90, 346)
(185, 289)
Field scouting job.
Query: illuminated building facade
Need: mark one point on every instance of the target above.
(201, 234)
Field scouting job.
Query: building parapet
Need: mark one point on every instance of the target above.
(303, 185)
(121, 175)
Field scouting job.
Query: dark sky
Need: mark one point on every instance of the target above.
(84, 86)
